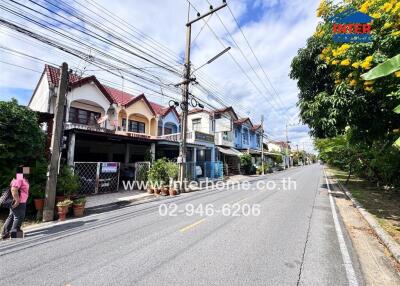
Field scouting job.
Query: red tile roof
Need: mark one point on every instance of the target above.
(256, 127)
(240, 121)
(197, 110)
(225, 109)
(113, 94)
(119, 96)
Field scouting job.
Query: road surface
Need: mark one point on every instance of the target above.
(294, 240)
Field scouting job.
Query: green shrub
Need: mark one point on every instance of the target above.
(158, 173)
(21, 140)
(245, 164)
(37, 179)
(172, 170)
(67, 182)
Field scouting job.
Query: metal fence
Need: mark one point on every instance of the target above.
(141, 170)
(207, 169)
(97, 177)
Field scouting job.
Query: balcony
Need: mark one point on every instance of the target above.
(222, 139)
(192, 136)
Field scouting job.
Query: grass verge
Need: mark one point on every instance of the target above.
(383, 204)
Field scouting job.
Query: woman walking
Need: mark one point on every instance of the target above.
(20, 192)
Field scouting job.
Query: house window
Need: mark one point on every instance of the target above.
(245, 136)
(258, 140)
(167, 130)
(225, 136)
(196, 124)
(136, 126)
(236, 133)
(82, 116)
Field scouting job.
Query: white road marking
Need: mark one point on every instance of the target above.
(350, 273)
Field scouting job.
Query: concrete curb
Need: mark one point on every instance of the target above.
(387, 240)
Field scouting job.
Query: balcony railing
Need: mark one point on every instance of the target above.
(192, 136)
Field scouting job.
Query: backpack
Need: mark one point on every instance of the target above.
(6, 199)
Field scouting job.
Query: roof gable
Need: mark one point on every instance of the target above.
(93, 79)
(229, 110)
(138, 98)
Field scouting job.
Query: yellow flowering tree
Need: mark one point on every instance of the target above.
(333, 95)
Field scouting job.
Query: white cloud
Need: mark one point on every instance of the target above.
(281, 30)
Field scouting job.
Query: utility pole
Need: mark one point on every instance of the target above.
(185, 95)
(262, 144)
(50, 194)
(287, 144)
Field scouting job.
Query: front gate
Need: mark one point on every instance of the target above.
(97, 177)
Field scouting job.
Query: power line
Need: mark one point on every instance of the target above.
(237, 63)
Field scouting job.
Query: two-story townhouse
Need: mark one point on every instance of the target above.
(222, 125)
(243, 128)
(201, 136)
(281, 148)
(248, 138)
(103, 123)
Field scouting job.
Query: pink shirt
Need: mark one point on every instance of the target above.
(23, 186)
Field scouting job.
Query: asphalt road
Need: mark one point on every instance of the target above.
(293, 241)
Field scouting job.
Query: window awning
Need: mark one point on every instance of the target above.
(229, 151)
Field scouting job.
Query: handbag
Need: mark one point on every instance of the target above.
(6, 199)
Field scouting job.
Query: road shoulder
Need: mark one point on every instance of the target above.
(377, 265)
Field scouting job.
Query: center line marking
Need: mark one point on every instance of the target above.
(192, 225)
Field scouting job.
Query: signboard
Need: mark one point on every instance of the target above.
(200, 136)
(109, 167)
(223, 124)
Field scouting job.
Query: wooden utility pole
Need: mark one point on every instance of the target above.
(50, 196)
(262, 144)
(185, 95)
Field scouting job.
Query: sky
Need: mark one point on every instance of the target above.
(275, 29)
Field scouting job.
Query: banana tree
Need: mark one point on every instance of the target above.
(386, 68)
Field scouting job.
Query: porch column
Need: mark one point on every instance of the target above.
(127, 151)
(67, 111)
(126, 123)
(213, 154)
(71, 149)
(162, 132)
(153, 151)
(194, 155)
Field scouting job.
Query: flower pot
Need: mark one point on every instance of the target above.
(157, 191)
(62, 212)
(39, 204)
(165, 191)
(172, 192)
(79, 210)
(150, 190)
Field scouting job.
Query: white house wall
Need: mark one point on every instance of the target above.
(40, 99)
(205, 122)
(89, 92)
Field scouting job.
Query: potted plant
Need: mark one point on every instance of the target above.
(67, 183)
(63, 209)
(172, 172)
(79, 206)
(37, 182)
(150, 190)
(157, 175)
(165, 190)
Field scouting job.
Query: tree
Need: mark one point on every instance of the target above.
(21, 141)
(332, 94)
